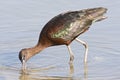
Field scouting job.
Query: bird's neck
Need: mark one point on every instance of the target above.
(42, 44)
(34, 50)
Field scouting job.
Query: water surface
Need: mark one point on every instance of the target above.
(20, 24)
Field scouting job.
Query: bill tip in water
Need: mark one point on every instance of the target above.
(23, 65)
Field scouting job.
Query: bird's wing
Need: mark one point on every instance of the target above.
(72, 29)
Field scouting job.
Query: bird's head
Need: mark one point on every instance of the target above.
(23, 57)
(96, 14)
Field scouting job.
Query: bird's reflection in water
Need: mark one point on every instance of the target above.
(26, 75)
(85, 71)
(71, 69)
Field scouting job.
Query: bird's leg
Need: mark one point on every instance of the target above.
(71, 54)
(86, 48)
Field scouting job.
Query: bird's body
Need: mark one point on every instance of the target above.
(63, 29)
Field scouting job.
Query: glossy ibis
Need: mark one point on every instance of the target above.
(63, 29)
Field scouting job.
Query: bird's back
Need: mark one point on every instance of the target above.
(65, 27)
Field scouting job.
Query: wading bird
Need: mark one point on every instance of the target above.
(62, 30)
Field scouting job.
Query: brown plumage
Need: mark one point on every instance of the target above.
(63, 29)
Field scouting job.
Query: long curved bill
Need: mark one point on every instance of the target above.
(23, 65)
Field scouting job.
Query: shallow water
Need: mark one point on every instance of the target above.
(20, 24)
